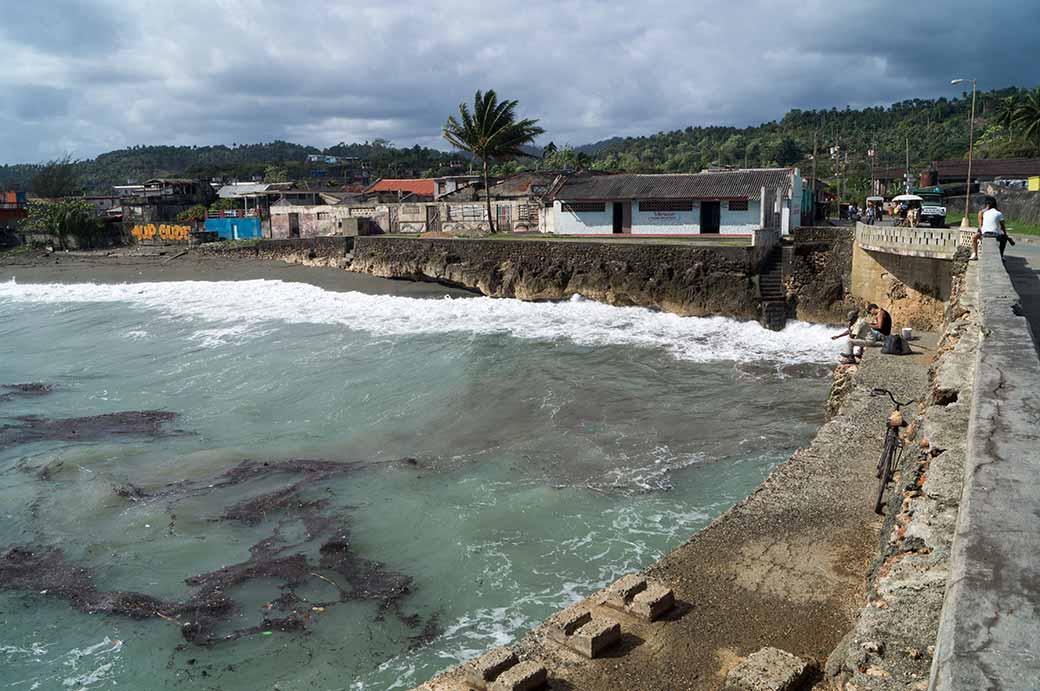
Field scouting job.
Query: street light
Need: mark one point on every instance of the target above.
(965, 223)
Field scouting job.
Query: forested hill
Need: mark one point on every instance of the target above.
(936, 129)
(275, 161)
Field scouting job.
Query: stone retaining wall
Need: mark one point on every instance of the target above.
(989, 630)
(685, 279)
(893, 641)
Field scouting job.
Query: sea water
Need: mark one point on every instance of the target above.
(551, 447)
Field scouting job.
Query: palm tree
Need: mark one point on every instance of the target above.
(1028, 116)
(490, 132)
(1006, 112)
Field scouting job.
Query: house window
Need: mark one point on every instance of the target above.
(323, 215)
(527, 213)
(467, 212)
(666, 205)
(738, 205)
(580, 207)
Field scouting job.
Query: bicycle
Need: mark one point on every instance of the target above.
(893, 424)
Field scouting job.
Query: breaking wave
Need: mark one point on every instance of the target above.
(244, 306)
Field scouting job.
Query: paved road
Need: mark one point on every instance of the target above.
(1023, 264)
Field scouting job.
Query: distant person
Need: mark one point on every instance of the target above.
(881, 322)
(901, 211)
(991, 225)
(859, 333)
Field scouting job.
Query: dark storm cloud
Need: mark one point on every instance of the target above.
(88, 77)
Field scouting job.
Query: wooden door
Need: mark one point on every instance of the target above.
(433, 219)
(504, 218)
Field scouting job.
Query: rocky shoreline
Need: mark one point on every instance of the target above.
(787, 568)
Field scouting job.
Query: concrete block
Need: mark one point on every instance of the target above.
(525, 676)
(490, 666)
(653, 602)
(573, 621)
(768, 669)
(624, 589)
(596, 636)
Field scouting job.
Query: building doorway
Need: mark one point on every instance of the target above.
(433, 219)
(294, 225)
(504, 218)
(711, 217)
(622, 217)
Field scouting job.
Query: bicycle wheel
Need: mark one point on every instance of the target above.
(884, 453)
(886, 462)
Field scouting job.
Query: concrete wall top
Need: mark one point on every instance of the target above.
(912, 242)
(989, 629)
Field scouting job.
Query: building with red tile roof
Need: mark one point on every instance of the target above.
(420, 187)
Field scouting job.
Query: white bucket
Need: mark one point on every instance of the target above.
(908, 334)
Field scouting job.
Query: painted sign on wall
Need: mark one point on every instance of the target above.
(164, 231)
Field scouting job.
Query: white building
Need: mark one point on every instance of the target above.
(723, 202)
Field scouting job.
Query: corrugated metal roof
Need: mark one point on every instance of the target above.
(737, 184)
(985, 167)
(242, 190)
(518, 185)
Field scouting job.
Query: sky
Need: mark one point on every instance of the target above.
(92, 76)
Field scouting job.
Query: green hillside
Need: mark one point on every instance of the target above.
(936, 129)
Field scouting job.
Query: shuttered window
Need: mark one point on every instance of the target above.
(579, 207)
(666, 205)
(738, 205)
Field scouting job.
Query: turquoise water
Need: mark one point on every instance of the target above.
(552, 447)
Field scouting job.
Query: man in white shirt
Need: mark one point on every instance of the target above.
(991, 225)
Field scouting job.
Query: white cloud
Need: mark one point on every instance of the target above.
(91, 76)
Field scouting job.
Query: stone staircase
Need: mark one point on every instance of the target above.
(772, 293)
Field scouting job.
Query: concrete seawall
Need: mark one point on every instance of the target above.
(989, 630)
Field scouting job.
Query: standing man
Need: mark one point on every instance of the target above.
(991, 225)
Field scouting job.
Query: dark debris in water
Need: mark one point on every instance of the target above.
(9, 391)
(131, 423)
(323, 554)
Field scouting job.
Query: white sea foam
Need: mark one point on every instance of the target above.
(243, 306)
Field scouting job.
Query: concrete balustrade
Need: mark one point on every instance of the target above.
(934, 243)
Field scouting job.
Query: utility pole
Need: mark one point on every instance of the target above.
(906, 173)
(965, 223)
(813, 184)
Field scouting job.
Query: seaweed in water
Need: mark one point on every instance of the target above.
(45, 570)
(136, 423)
(24, 390)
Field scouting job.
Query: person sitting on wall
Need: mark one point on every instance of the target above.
(881, 322)
(991, 225)
(861, 335)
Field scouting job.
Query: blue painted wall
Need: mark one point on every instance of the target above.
(247, 228)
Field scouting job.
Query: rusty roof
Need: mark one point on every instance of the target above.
(517, 186)
(737, 184)
(424, 187)
(985, 167)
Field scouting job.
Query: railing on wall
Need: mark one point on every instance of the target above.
(937, 243)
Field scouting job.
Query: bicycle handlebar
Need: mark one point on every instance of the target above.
(877, 391)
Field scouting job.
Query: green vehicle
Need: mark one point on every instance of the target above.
(933, 206)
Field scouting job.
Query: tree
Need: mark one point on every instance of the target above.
(490, 132)
(1027, 116)
(549, 150)
(64, 219)
(194, 213)
(1006, 112)
(56, 178)
(273, 173)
